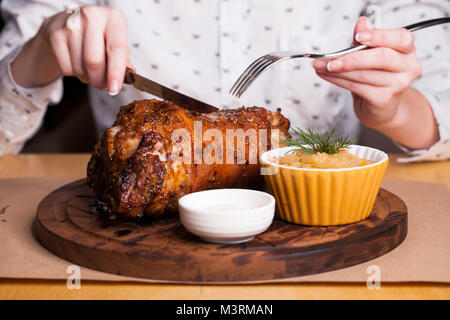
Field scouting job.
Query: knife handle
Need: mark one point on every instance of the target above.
(129, 76)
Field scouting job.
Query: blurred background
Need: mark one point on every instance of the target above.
(69, 126)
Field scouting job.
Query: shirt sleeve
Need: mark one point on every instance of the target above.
(432, 47)
(22, 109)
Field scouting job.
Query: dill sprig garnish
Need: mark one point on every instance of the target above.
(310, 141)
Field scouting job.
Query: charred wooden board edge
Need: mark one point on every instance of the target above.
(282, 264)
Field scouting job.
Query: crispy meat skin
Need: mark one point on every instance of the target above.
(131, 168)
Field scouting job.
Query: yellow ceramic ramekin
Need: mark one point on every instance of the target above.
(325, 197)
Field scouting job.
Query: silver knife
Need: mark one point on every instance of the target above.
(143, 84)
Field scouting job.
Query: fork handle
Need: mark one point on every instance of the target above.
(411, 27)
(427, 23)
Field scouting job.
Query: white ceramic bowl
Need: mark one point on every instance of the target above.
(227, 215)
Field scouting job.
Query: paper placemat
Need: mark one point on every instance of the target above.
(424, 256)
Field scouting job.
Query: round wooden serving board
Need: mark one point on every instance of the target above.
(69, 225)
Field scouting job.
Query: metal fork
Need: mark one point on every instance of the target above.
(265, 62)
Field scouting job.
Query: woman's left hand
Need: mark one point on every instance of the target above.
(378, 76)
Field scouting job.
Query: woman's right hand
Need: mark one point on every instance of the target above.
(88, 42)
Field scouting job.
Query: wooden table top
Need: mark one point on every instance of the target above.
(74, 165)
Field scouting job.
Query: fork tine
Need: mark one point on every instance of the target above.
(252, 76)
(245, 73)
(249, 75)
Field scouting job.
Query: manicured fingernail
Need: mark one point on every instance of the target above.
(113, 88)
(334, 65)
(363, 36)
(319, 64)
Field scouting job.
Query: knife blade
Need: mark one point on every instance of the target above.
(143, 84)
